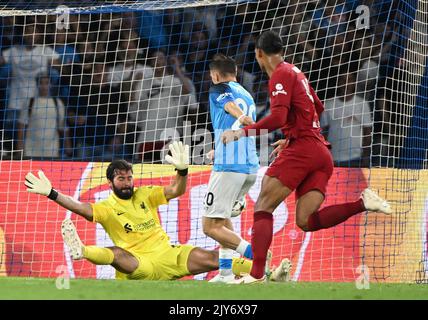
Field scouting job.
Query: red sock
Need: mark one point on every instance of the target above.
(330, 216)
(261, 239)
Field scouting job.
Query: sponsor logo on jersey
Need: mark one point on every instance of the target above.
(127, 227)
(224, 95)
(279, 89)
(150, 224)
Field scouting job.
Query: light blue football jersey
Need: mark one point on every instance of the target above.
(239, 156)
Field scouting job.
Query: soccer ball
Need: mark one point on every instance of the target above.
(238, 207)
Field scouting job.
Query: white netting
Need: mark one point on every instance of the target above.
(86, 84)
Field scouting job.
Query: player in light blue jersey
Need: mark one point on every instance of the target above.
(231, 106)
(235, 165)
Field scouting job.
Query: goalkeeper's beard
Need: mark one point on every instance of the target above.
(124, 193)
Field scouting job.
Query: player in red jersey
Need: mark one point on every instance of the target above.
(303, 163)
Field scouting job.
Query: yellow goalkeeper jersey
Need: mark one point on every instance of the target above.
(133, 224)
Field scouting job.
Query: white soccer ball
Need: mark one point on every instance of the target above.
(238, 207)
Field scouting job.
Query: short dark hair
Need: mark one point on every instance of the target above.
(223, 64)
(270, 42)
(115, 166)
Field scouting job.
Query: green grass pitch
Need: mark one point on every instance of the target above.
(81, 289)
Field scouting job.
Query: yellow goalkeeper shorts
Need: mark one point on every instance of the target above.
(166, 264)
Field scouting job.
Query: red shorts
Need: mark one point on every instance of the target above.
(305, 165)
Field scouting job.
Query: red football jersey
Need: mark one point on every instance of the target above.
(289, 88)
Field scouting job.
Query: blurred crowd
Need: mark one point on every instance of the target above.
(123, 84)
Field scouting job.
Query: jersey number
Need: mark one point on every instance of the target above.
(248, 111)
(305, 84)
(209, 199)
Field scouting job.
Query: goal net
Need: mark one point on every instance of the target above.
(81, 86)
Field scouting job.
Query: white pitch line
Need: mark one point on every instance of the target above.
(88, 169)
(302, 253)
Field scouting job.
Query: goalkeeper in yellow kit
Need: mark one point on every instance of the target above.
(142, 249)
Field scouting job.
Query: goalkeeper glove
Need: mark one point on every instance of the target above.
(179, 157)
(40, 185)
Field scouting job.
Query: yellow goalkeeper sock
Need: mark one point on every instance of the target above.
(97, 255)
(241, 265)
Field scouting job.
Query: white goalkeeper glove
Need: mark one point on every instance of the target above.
(40, 185)
(179, 157)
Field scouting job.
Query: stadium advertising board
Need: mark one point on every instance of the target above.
(31, 242)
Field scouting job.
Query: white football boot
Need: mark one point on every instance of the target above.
(71, 238)
(248, 279)
(282, 272)
(222, 279)
(372, 202)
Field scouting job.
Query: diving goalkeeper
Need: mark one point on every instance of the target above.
(142, 249)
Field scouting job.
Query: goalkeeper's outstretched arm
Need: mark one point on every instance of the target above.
(41, 185)
(180, 159)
